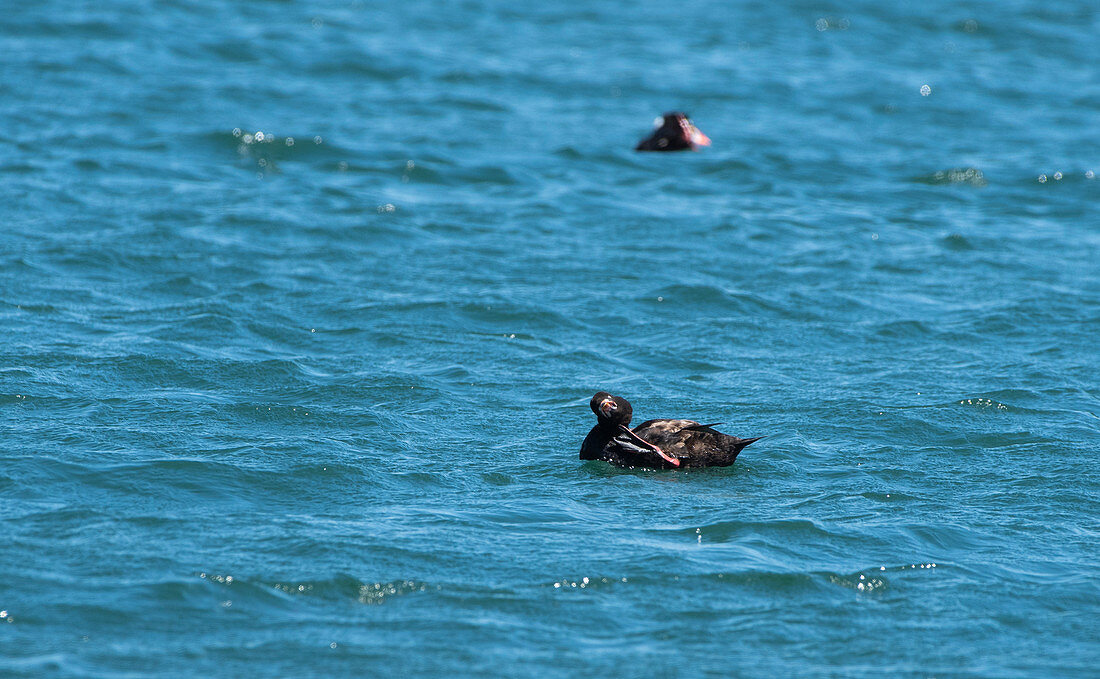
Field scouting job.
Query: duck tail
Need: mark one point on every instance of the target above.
(742, 443)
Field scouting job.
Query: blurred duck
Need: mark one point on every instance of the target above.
(673, 132)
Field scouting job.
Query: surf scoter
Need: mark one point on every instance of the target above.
(655, 444)
(673, 132)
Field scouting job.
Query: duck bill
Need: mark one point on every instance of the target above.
(607, 406)
(698, 138)
(639, 440)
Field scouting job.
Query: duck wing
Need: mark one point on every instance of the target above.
(694, 444)
(667, 432)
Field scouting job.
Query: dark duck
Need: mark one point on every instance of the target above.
(655, 444)
(673, 132)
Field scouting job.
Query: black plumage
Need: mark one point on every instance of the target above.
(656, 444)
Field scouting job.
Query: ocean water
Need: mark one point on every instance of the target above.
(302, 305)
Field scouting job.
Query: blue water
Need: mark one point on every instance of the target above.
(310, 405)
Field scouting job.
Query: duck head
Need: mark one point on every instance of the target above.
(611, 410)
